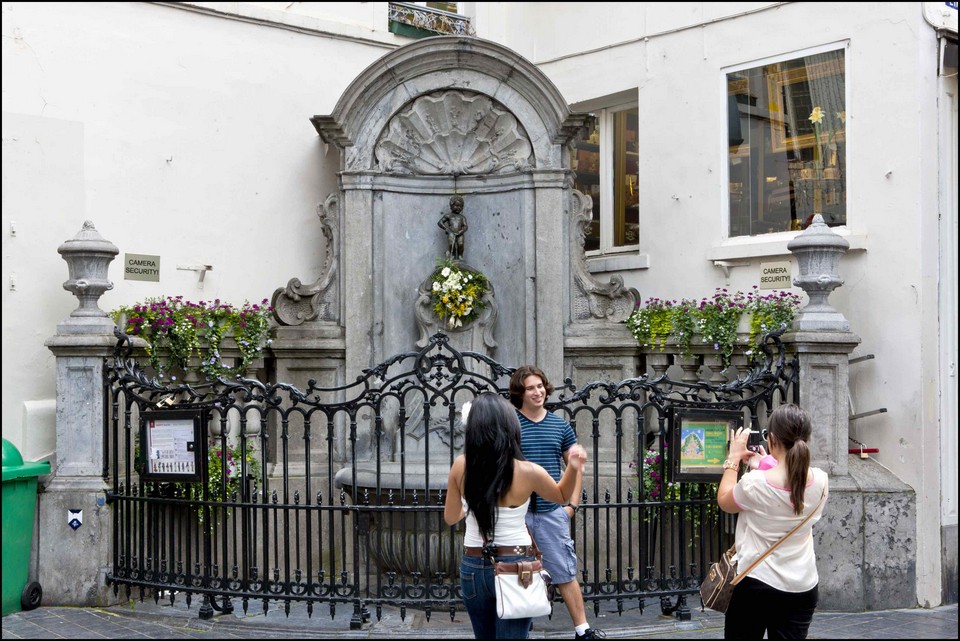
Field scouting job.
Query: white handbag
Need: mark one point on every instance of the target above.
(521, 589)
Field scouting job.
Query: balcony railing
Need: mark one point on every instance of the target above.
(419, 21)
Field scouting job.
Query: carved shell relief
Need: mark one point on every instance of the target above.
(453, 133)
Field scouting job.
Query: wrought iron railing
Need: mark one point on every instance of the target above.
(346, 509)
(427, 19)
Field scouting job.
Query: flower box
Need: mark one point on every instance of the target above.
(720, 322)
(195, 340)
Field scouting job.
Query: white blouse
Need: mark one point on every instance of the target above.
(511, 527)
(766, 514)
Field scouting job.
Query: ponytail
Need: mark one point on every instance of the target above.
(798, 462)
(792, 427)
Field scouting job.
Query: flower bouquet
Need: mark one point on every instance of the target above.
(457, 293)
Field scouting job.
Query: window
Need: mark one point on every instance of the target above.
(787, 144)
(605, 161)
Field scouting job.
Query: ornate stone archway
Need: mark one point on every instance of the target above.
(444, 116)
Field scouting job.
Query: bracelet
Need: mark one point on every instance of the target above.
(731, 465)
(572, 507)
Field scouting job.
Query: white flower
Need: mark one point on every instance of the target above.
(446, 272)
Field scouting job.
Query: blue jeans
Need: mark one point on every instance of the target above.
(480, 598)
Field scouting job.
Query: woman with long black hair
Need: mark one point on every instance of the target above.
(490, 485)
(779, 595)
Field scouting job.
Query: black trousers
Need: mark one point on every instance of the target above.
(757, 608)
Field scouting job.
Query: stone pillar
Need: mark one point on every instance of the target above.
(549, 284)
(824, 342)
(304, 353)
(866, 540)
(824, 390)
(73, 561)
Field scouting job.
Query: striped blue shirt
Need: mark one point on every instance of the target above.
(544, 443)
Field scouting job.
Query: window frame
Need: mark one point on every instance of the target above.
(726, 239)
(606, 123)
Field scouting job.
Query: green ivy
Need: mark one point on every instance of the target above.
(654, 485)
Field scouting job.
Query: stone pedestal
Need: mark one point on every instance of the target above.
(866, 541)
(313, 351)
(75, 559)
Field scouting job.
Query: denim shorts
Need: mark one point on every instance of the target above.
(552, 533)
(480, 599)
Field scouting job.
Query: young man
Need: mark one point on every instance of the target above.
(547, 440)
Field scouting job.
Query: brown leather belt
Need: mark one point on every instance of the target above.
(523, 569)
(502, 550)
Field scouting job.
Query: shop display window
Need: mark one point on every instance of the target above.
(787, 144)
(605, 158)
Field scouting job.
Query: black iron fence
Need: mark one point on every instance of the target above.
(334, 496)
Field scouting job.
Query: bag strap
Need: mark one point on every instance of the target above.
(773, 547)
(533, 544)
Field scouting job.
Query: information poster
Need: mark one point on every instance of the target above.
(172, 444)
(703, 439)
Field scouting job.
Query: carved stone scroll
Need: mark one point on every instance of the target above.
(591, 299)
(296, 303)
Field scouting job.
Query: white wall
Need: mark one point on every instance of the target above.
(178, 134)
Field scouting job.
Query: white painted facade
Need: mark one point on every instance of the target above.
(183, 131)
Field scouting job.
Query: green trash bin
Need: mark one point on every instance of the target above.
(19, 507)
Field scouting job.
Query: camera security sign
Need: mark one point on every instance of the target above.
(141, 267)
(775, 275)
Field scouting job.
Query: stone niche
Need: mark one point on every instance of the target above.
(460, 116)
(441, 117)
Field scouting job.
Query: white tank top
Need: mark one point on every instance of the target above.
(511, 527)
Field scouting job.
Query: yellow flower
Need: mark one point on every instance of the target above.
(816, 116)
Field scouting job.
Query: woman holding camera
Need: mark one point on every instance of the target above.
(490, 485)
(779, 595)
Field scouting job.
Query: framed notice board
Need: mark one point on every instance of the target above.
(702, 439)
(172, 445)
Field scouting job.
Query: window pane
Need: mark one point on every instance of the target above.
(443, 6)
(787, 145)
(586, 163)
(626, 197)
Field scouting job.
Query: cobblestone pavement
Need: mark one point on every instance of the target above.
(150, 620)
